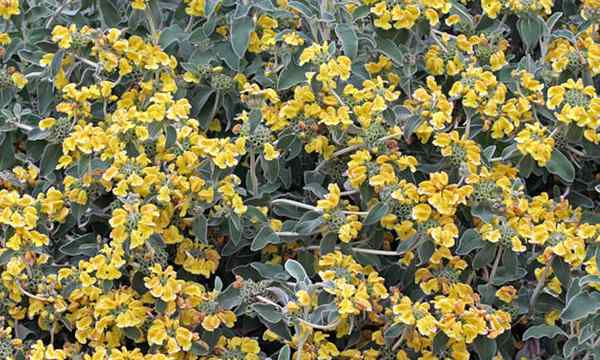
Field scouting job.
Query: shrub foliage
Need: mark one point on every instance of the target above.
(311, 179)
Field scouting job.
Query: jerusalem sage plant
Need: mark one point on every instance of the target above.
(297, 180)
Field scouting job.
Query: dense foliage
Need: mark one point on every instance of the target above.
(296, 180)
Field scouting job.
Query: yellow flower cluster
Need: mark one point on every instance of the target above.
(381, 179)
(404, 14)
(9, 8)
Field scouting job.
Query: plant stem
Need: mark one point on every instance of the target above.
(331, 326)
(28, 294)
(189, 25)
(296, 204)
(496, 263)
(287, 233)
(540, 285)
(22, 126)
(57, 13)
(253, 173)
(399, 342)
(364, 251)
(359, 213)
(268, 301)
(152, 26)
(88, 62)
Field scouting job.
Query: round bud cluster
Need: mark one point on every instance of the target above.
(424, 227)
(402, 211)
(36, 279)
(183, 146)
(576, 98)
(458, 155)
(574, 64)
(373, 133)
(128, 136)
(447, 273)
(547, 74)
(204, 69)
(305, 127)
(506, 235)
(336, 220)
(221, 82)
(150, 148)
(251, 289)
(486, 190)
(6, 348)
(591, 13)
(69, 284)
(60, 131)
(95, 191)
(484, 52)
(387, 353)
(114, 205)
(234, 354)
(79, 41)
(147, 259)
(257, 138)
(556, 238)
(196, 209)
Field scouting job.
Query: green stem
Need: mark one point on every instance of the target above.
(496, 263)
(296, 204)
(364, 251)
(57, 13)
(540, 285)
(152, 26)
(253, 173)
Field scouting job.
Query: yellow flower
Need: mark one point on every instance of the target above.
(270, 152)
(403, 311)
(304, 298)
(442, 196)
(491, 7)
(293, 39)
(9, 8)
(63, 35)
(507, 294)
(445, 235)
(19, 80)
(4, 38)
(47, 123)
(163, 284)
(497, 60)
(331, 200)
(313, 53)
(138, 4)
(421, 212)
(427, 325)
(197, 258)
(168, 333)
(533, 141)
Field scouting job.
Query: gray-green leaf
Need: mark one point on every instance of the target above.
(560, 165)
(241, 29)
